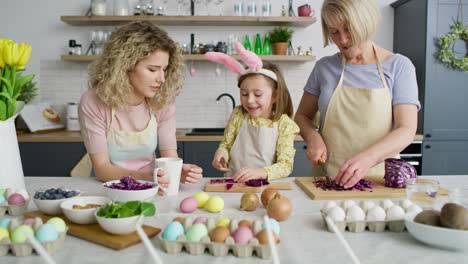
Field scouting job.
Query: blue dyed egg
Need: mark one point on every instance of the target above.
(5, 223)
(46, 232)
(2, 198)
(275, 226)
(173, 230)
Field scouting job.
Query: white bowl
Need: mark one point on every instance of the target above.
(82, 216)
(52, 207)
(119, 226)
(441, 237)
(123, 196)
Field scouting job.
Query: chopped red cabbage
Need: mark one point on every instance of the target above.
(230, 182)
(128, 183)
(229, 185)
(397, 172)
(330, 185)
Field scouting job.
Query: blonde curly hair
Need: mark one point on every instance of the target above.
(127, 46)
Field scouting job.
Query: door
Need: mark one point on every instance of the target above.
(445, 158)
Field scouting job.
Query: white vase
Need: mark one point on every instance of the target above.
(11, 170)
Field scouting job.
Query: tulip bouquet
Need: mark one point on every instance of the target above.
(13, 59)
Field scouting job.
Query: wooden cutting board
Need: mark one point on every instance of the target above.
(94, 233)
(241, 188)
(378, 192)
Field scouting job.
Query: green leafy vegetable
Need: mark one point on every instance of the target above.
(127, 209)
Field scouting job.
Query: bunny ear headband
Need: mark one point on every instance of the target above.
(253, 62)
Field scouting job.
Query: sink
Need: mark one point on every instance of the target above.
(206, 132)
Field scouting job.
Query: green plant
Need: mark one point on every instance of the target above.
(28, 92)
(127, 209)
(280, 34)
(446, 42)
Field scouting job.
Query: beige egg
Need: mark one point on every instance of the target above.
(219, 234)
(262, 237)
(246, 223)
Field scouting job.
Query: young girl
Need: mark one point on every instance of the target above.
(259, 137)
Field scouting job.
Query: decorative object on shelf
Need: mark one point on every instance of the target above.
(299, 51)
(251, 8)
(71, 46)
(290, 8)
(305, 11)
(121, 8)
(98, 7)
(258, 45)
(310, 52)
(247, 45)
(279, 38)
(266, 48)
(283, 10)
(238, 8)
(266, 8)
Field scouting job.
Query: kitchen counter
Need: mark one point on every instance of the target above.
(69, 136)
(303, 236)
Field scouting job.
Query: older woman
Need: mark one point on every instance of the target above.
(367, 97)
(131, 104)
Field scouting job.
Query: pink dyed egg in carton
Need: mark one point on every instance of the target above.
(24, 248)
(373, 215)
(13, 202)
(182, 238)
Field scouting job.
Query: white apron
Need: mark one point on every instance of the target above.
(254, 146)
(356, 118)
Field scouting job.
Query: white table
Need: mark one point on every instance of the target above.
(303, 237)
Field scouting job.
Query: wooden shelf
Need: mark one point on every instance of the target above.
(198, 57)
(192, 20)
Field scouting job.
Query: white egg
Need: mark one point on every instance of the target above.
(355, 213)
(347, 204)
(337, 214)
(395, 213)
(328, 205)
(376, 213)
(406, 204)
(23, 193)
(366, 205)
(386, 204)
(414, 208)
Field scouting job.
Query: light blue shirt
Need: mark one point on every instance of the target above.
(398, 70)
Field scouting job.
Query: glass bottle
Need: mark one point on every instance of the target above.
(258, 45)
(266, 50)
(247, 45)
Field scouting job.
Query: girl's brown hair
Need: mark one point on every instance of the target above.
(127, 46)
(282, 102)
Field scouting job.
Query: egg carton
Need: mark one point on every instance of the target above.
(26, 249)
(373, 226)
(13, 210)
(215, 248)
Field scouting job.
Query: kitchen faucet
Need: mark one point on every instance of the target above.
(228, 95)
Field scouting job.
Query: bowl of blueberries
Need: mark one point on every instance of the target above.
(49, 201)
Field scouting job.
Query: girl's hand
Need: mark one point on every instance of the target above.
(316, 150)
(220, 161)
(191, 173)
(162, 181)
(246, 174)
(353, 170)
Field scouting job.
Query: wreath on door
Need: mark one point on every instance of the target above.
(459, 31)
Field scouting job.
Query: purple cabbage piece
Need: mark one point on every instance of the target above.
(216, 181)
(330, 185)
(397, 172)
(257, 182)
(229, 185)
(128, 183)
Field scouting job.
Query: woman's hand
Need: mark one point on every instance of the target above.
(220, 161)
(354, 169)
(163, 182)
(316, 150)
(246, 174)
(191, 173)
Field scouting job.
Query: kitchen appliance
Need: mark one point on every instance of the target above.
(413, 155)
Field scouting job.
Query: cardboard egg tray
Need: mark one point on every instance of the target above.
(26, 249)
(13, 210)
(373, 226)
(215, 248)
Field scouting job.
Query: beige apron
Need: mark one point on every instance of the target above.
(356, 118)
(254, 147)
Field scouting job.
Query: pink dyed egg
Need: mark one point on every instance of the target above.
(29, 221)
(200, 220)
(16, 199)
(243, 235)
(188, 205)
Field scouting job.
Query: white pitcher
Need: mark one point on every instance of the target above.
(11, 170)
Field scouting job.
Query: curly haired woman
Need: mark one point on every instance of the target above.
(131, 104)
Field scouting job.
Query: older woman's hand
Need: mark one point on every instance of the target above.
(353, 170)
(163, 182)
(316, 150)
(191, 173)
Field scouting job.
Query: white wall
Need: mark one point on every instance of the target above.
(38, 24)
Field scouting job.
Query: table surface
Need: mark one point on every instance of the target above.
(303, 236)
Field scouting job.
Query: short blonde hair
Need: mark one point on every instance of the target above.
(361, 16)
(128, 45)
(283, 103)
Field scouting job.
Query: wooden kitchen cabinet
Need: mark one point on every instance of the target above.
(302, 166)
(445, 157)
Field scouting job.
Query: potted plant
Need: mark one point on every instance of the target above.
(279, 38)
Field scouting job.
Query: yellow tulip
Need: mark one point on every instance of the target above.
(24, 54)
(3, 42)
(10, 53)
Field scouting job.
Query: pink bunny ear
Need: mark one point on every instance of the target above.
(229, 62)
(250, 59)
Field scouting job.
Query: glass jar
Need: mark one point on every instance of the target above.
(98, 7)
(121, 8)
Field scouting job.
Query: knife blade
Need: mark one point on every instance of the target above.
(324, 169)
